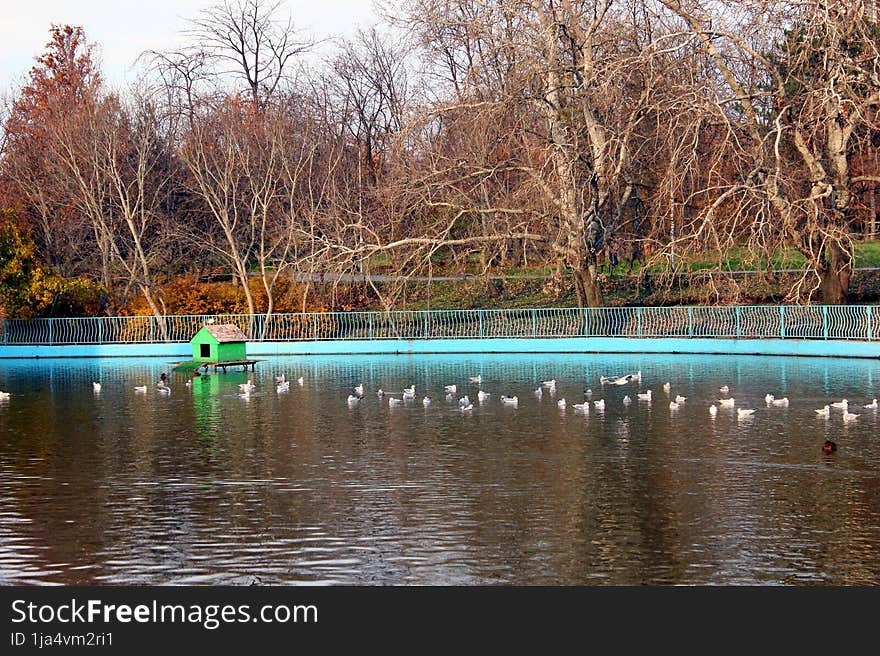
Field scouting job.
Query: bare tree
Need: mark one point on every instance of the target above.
(251, 41)
(798, 89)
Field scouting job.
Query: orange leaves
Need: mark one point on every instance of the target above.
(186, 295)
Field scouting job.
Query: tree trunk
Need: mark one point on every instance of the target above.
(587, 286)
(835, 276)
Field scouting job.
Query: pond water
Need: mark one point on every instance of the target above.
(205, 486)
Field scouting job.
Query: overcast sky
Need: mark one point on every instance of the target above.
(122, 29)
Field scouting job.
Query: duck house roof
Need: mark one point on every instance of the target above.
(226, 332)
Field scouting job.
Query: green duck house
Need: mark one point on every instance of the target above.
(218, 343)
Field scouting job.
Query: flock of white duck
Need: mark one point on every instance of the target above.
(598, 405)
(548, 386)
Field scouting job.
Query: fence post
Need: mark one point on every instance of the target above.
(870, 327)
(482, 334)
(534, 323)
(100, 330)
(639, 318)
(5, 332)
(782, 321)
(427, 323)
(690, 322)
(824, 322)
(370, 329)
(314, 326)
(152, 329)
(738, 321)
(586, 322)
(50, 332)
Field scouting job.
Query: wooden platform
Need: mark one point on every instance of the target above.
(193, 365)
(244, 364)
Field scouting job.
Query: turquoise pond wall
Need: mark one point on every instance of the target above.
(718, 346)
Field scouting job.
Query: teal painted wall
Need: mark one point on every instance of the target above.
(812, 348)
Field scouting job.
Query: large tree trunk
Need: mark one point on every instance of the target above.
(587, 286)
(835, 275)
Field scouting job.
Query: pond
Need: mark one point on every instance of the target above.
(206, 485)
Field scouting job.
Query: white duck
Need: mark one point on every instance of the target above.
(768, 398)
(539, 392)
(849, 416)
(824, 411)
(742, 413)
(646, 396)
(509, 400)
(450, 389)
(353, 400)
(283, 387)
(726, 403)
(476, 379)
(426, 401)
(724, 389)
(392, 402)
(582, 407)
(872, 405)
(96, 387)
(359, 389)
(667, 387)
(483, 396)
(680, 399)
(466, 408)
(6, 395)
(299, 381)
(561, 403)
(281, 379)
(599, 404)
(780, 403)
(142, 389)
(674, 406)
(713, 410)
(463, 401)
(843, 404)
(627, 400)
(549, 383)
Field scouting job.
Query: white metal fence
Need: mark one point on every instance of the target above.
(854, 322)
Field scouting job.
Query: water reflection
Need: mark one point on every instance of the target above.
(207, 486)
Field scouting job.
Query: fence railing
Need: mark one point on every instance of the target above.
(853, 322)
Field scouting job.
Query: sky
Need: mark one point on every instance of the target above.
(122, 29)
